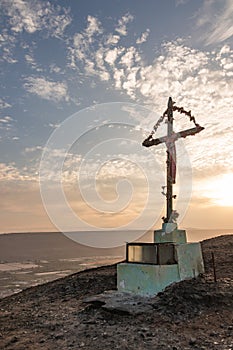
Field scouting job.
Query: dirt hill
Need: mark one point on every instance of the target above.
(193, 314)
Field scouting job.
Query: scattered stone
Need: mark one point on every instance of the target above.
(192, 341)
(14, 340)
(59, 336)
(213, 334)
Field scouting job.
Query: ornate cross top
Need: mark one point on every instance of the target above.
(171, 149)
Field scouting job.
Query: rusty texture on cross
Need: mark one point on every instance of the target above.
(169, 140)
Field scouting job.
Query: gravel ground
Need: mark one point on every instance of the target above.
(192, 314)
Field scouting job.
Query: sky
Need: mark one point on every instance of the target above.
(83, 83)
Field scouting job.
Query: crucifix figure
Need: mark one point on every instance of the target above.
(169, 140)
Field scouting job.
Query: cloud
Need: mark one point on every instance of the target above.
(111, 56)
(7, 43)
(10, 172)
(32, 16)
(33, 149)
(122, 24)
(22, 16)
(112, 39)
(82, 41)
(143, 38)
(93, 26)
(4, 104)
(181, 2)
(215, 21)
(30, 59)
(93, 44)
(6, 123)
(6, 119)
(48, 90)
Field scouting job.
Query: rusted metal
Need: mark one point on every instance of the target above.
(214, 267)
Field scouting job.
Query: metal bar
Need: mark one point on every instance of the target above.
(127, 252)
(169, 161)
(214, 267)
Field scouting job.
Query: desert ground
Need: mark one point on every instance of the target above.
(192, 314)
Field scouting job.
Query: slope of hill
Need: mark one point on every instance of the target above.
(193, 314)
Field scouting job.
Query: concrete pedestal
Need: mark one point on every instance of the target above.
(170, 233)
(145, 280)
(176, 236)
(148, 279)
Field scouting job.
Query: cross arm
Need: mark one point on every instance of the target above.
(190, 132)
(175, 136)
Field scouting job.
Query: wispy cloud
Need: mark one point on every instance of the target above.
(8, 129)
(93, 45)
(35, 16)
(31, 61)
(4, 104)
(122, 24)
(181, 2)
(143, 38)
(7, 43)
(46, 89)
(215, 20)
(83, 40)
(6, 123)
(30, 17)
(10, 172)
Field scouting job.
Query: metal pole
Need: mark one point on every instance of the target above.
(169, 160)
(214, 268)
(127, 252)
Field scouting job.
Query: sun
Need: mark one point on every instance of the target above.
(220, 190)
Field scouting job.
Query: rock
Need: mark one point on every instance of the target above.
(192, 341)
(213, 334)
(149, 334)
(14, 340)
(59, 336)
(142, 335)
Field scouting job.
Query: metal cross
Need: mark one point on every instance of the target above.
(169, 140)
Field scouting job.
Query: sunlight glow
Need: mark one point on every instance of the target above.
(220, 190)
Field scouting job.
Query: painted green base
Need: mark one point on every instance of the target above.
(145, 280)
(150, 279)
(190, 260)
(176, 236)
